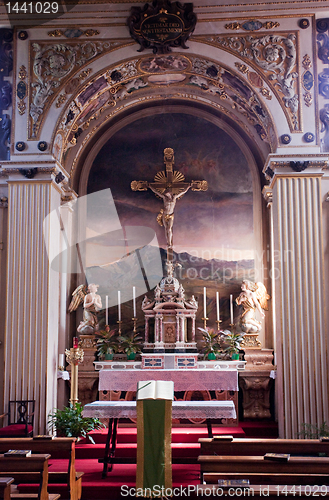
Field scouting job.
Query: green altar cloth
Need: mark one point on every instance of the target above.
(153, 445)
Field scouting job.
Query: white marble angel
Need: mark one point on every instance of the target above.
(253, 297)
(92, 303)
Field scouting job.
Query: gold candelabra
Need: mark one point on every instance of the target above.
(74, 356)
(218, 321)
(205, 322)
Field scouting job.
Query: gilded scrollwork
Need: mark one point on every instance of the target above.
(275, 56)
(52, 65)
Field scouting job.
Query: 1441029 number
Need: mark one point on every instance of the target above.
(32, 8)
(298, 490)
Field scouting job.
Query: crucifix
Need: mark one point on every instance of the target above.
(170, 187)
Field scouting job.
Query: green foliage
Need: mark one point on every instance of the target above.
(132, 342)
(311, 431)
(211, 341)
(107, 342)
(69, 422)
(232, 341)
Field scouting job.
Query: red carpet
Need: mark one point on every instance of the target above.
(116, 486)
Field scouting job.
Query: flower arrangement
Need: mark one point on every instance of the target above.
(69, 422)
(232, 341)
(107, 342)
(211, 341)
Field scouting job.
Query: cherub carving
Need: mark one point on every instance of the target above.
(92, 303)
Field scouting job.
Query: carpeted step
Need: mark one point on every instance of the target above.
(90, 451)
(179, 434)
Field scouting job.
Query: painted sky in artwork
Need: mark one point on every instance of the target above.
(217, 223)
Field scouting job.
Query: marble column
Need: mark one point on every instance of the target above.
(298, 271)
(33, 292)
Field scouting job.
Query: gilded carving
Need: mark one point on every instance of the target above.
(307, 80)
(275, 56)
(61, 99)
(254, 79)
(52, 64)
(252, 25)
(72, 33)
(21, 90)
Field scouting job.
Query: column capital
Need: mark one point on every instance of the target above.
(38, 171)
(295, 166)
(267, 193)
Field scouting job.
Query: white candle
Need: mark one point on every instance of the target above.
(61, 360)
(134, 300)
(231, 308)
(204, 302)
(106, 309)
(217, 305)
(119, 305)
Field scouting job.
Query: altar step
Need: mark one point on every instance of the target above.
(179, 434)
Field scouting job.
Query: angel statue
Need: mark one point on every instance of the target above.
(92, 303)
(253, 297)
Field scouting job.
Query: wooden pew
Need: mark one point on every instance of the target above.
(5, 488)
(35, 464)
(59, 448)
(244, 459)
(245, 446)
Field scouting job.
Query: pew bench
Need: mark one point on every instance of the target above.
(246, 446)
(18, 467)
(244, 459)
(58, 448)
(5, 487)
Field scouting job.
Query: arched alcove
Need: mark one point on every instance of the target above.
(218, 234)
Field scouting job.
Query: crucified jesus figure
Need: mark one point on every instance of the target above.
(166, 215)
(170, 187)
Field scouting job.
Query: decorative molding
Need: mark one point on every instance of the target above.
(119, 82)
(252, 25)
(4, 202)
(285, 139)
(274, 55)
(21, 90)
(29, 173)
(162, 25)
(324, 118)
(53, 65)
(73, 33)
(254, 79)
(72, 85)
(307, 80)
(6, 66)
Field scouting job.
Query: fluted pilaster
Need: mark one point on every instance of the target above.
(298, 271)
(32, 315)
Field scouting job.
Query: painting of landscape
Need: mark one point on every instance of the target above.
(213, 233)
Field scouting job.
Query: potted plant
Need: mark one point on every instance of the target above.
(211, 340)
(69, 422)
(233, 341)
(131, 344)
(107, 343)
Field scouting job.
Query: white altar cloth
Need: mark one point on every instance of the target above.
(180, 409)
(184, 380)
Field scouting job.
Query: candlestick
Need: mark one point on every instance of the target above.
(61, 362)
(119, 328)
(135, 321)
(231, 309)
(74, 356)
(119, 305)
(204, 302)
(106, 309)
(205, 319)
(134, 301)
(218, 324)
(217, 306)
(75, 342)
